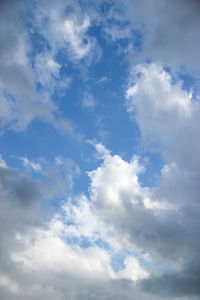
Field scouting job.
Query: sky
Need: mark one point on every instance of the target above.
(99, 149)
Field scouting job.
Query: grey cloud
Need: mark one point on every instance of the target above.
(171, 236)
(172, 122)
(20, 190)
(19, 203)
(170, 31)
(59, 286)
(182, 283)
(20, 198)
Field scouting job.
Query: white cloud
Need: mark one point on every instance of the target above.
(156, 206)
(21, 73)
(132, 270)
(70, 256)
(27, 163)
(66, 32)
(118, 218)
(73, 33)
(115, 180)
(167, 115)
(49, 250)
(2, 162)
(53, 66)
(51, 253)
(88, 100)
(46, 252)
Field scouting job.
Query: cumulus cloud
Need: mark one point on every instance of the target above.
(151, 227)
(167, 115)
(169, 118)
(161, 222)
(116, 219)
(53, 251)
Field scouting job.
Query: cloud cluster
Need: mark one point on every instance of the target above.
(49, 259)
(169, 116)
(29, 75)
(124, 240)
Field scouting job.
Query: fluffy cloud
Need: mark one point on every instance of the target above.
(154, 230)
(54, 251)
(161, 222)
(154, 226)
(109, 185)
(167, 115)
(169, 118)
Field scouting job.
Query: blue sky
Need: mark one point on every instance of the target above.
(99, 144)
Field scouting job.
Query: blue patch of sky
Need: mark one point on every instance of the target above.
(82, 241)
(117, 262)
(86, 242)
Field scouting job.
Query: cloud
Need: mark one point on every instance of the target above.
(88, 100)
(152, 232)
(167, 115)
(52, 253)
(20, 200)
(19, 100)
(22, 72)
(170, 31)
(66, 31)
(165, 32)
(182, 283)
(107, 192)
(47, 74)
(27, 163)
(160, 232)
(165, 229)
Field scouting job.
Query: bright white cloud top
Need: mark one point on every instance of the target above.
(99, 163)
